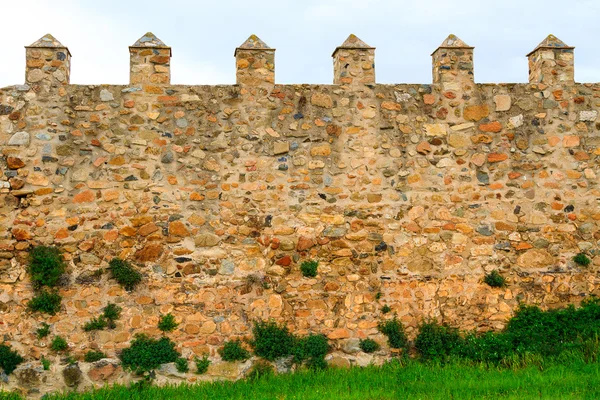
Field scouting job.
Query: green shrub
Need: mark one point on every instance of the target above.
(59, 344)
(309, 268)
(202, 364)
(46, 265)
(45, 363)
(394, 331)
(146, 354)
(182, 365)
(45, 301)
(369, 345)
(43, 330)
(582, 259)
(260, 370)
(95, 324)
(124, 273)
(93, 356)
(386, 309)
(494, 279)
(9, 359)
(167, 323)
(312, 349)
(487, 347)
(271, 340)
(233, 351)
(435, 341)
(111, 313)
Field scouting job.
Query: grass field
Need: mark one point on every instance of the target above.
(414, 380)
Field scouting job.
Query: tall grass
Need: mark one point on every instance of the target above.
(396, 380)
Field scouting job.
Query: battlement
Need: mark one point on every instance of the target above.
(550, 63)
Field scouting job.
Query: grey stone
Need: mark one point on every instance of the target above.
(227, 267)
(283, 365)
(105, 95)
(20, 139)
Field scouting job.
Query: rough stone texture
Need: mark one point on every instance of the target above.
(218, 193)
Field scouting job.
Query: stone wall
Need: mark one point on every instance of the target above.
(218, 193)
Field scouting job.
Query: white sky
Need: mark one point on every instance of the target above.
(204, 34)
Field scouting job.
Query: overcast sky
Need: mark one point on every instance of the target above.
(204, 34)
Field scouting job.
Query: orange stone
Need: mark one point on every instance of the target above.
(491, 127)
(497, 157)
(177, 228)
(87, 196)
(571, 141)
(476, 113)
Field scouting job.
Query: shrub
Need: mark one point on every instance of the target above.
(309, 268)
(59, 344)
(435, 341)
(124, 273)
(45, 363)
(386, 309)
(95, 324)
(494, 279)
(45, 301)
(369, 345)
(582, 259)
(487, 347)
(93, 356)
(260, 370)
(202, 364)
(394, 331)
(46, 265)
(312, 349)
(182, 365)
(233, 351)
(111, 313)
(146, 354)
(167, 323)
(271, 340)
(43, 330)
(9, 359)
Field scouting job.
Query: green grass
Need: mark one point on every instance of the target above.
(415, 380)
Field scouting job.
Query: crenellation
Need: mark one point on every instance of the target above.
(453, 64)
(255, 63)
(150, 61)
(552, 62)
(354, 63)
(48, 63)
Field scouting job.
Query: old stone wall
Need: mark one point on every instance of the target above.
(218, 193)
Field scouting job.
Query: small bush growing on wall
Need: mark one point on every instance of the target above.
(309, 268)
(271, 340)
(386, 309)
(494, 279)
(45, 363)
(167, 323)
(43, 330)
(111, 313)
(582, 259)
(182, 365)
(46, 265)
(59, 344)
(394, 331)
(45, 301)
(233, 351)
(146, 354)
(94, 355)
(124, 273)
(312, 349)
(202, 364)
(9, 359)
(369, 345)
